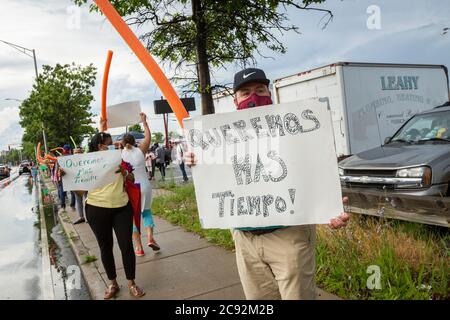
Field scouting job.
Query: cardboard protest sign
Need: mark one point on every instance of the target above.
(123, 114)
(90, 170)
(267, 166)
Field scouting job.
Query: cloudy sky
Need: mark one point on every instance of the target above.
(410, 32)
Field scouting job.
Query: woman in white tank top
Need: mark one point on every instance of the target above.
(136, 157)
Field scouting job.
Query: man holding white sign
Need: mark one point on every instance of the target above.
(264, 188)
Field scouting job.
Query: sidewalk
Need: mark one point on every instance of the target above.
(187, 267)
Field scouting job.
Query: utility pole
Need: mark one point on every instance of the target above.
(25, 51)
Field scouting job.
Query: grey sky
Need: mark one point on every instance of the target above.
(411, 32)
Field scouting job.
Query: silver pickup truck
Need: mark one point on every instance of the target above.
(409, 176)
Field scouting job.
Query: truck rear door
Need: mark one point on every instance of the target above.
(380, 98)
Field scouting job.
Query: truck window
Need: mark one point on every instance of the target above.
(427, 126)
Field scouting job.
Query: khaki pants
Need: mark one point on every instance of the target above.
(277, 265)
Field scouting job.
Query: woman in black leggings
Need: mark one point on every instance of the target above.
(107, 209)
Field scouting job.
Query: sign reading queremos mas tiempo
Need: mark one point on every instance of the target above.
(266, 166)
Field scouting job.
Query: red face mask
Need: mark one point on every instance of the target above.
(254, 101)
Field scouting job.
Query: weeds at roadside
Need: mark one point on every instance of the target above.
(413, 259)
(89, 259)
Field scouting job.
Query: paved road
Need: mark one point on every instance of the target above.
(20, 259)
(22, 271)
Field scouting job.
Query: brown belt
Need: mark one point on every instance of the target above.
(260, 231)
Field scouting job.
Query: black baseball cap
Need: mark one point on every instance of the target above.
(249, 75)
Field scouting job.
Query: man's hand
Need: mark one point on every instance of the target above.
(61, 172)
(342, 219)
(189, 159)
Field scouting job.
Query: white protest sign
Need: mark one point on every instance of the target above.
(123, 114)
(267, 166)
(90, 170)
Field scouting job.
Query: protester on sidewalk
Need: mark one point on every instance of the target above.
(107, 209)
(67, 150)
(276, 262)
(179, 158)
(57, 179)
(153, 152)
(135, 156)
(80, 197)
(160, 160)
(149, 157)
(34, 171)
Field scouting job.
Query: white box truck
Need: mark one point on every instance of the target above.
(224, 101)
(368, 101)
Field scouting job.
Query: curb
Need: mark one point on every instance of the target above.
(48, 293)
(92, 277)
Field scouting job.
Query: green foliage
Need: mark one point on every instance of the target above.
(198, 34)
(136, 128)
(28, 151)
(59, 103)
(157, 137)
(12, 156)
(89, 258)
(173, 135)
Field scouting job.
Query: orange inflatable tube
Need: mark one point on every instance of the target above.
(146, 59)
(105, 85)
(49, 157)
(38, 153)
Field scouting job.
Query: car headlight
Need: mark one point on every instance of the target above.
(417, 172)
(341, 172)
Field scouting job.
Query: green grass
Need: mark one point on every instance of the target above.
(181, 209)
(413, 259)
(168, 183)
(89, 258)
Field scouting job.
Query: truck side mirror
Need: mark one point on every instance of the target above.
(387, 140)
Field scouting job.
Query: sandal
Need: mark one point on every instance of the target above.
(111, 291)
(152, 244)
(136, 292)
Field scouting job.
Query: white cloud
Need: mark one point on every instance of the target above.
(10, 130)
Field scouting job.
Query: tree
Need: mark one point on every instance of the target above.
(157, 137)
(173, 134)
(136, 127)
(12, 156)
(60, 103)
(28, 151)
(200, 35)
